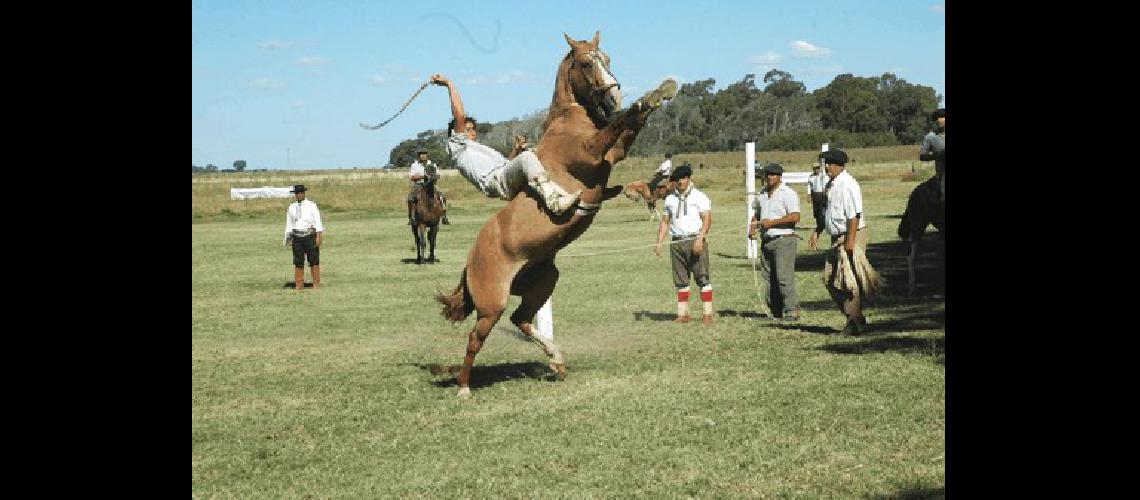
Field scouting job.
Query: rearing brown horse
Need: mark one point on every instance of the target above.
(513, 254)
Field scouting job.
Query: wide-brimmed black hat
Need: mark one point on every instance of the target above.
(938, 113)
(421, 151)
(834, 156)
(299, 188)
(773, 168)
(681, 172)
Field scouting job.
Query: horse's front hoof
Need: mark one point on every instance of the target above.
(464, 393)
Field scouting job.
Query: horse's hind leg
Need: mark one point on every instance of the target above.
(910, 258)
(431, 241)
(539, 285)
(489, 292)
(475, 339)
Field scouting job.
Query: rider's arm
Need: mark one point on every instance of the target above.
(456, 102)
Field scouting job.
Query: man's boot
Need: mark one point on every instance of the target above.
(682, 307)
(316, 276)
(555, 198)
(299, 278)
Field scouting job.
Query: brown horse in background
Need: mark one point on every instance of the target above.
(924, 207)
(513, 254)
(427, 212)
(638, 190)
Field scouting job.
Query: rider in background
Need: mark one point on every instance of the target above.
(421, 168)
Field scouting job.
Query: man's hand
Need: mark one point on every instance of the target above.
(439, 79)
(657, 249)
(813, 241)
(520, 142)
(698, 246)
(318, 240)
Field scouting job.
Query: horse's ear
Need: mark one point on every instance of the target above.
(597, 37)
(568, 40)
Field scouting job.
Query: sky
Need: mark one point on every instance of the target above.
(285, 85)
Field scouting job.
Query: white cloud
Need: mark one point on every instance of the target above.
(297, 105)
(266, 83)
(312, 61)
(275, 44)
(766, 59)
(801, 48)
(939, 8)
(379, 79)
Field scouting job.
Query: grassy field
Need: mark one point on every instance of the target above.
(331, 393)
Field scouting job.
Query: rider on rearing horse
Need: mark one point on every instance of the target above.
(421, 168)
(497, 176)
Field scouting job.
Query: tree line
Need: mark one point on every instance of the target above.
(779, 115)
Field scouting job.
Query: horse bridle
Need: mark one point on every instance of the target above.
(595, 89)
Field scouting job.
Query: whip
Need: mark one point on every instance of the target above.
(385, 122)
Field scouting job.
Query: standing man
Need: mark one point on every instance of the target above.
(934, 148)
(303, 230)
(662, 173)
(848, 276)
(817, 195)
(777, 210)
(688, 215)
(421, 168)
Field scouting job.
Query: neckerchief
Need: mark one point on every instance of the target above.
(683, 197)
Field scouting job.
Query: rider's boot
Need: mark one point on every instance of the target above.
(555, 198)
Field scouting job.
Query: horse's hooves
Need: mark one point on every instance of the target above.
(464, 393)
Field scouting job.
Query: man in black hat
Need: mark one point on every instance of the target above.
(776, 212)
(303, 231)
(849, 278)
(687, 217)
(934, 148)
(421, 168)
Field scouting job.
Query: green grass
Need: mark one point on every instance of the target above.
(328, 393)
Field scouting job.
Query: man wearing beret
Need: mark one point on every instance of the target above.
(688, 215)
(848, 276)
(776, 212)
(934, 148)
(303, 231)
(816, 195)
(420, 169)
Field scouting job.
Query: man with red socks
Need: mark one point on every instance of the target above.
(688, 215)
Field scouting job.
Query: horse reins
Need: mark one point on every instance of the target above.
(385, 122)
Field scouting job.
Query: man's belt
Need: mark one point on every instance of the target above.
(685, 236)
(302, 233)
(767, 239)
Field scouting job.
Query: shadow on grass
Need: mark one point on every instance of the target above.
(729, 313)
(917, 493)
(653, 316)
(488, 375)
(412, 260)
(290, 284)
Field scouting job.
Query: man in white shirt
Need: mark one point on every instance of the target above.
(303, 231)
(662, 173)
(817, 196)
(849, 278)
(687, 217)
(497, 176)
(420, 169)
(934, 148)
(777, 210)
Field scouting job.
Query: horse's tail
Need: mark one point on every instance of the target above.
(458, 305)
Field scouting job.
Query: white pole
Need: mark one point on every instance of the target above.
(749, 195)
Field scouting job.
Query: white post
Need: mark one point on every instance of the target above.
(749, 195)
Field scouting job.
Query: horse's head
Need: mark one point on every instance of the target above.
(591, 83)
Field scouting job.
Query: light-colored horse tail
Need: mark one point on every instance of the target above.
(458, 305)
